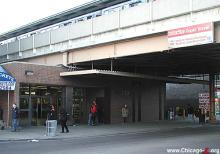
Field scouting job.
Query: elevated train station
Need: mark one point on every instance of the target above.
(117, 52)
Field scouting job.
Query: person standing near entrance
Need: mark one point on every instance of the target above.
(124, 113)
(63, 120)
(90, 116)
(14, 111)
(190, 111)
(52, 113)
(94, 112)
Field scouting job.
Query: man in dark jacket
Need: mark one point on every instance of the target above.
(14, 112)
(63, 120)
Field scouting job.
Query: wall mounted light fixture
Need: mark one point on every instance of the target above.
(29, 73)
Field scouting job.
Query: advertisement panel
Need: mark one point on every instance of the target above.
(217, 104)
(191, 35)
(204, 101)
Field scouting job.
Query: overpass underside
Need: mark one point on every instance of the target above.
(196, 60)
(187, 65)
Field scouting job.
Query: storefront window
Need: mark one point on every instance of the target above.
(24, 89)
(24, 103)
(39, 90)
(23, 118)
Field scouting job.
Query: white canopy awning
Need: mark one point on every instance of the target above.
(132, 75)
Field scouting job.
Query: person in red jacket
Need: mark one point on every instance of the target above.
(93, 111)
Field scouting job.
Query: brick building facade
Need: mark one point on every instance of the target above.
(145, 98)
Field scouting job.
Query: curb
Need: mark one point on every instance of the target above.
(102, 135)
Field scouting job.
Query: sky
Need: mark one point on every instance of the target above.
(16, 13)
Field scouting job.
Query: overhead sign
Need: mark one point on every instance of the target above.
(204, 101)
(191, 35)
(217, 103)
(7, 82)
(217, 107)
(203, 98)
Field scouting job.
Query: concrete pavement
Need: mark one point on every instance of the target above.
(83, 131)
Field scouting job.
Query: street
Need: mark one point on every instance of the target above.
(139, 143)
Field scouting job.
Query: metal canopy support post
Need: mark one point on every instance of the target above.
(212, 97)
(111, 65)
(30, 105)
(92, 65)
(8, 108)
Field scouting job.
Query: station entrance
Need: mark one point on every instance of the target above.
(81, 103)
(34, 102)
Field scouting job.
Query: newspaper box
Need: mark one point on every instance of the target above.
(51, 126)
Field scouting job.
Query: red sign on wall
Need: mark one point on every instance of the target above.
(192, 35)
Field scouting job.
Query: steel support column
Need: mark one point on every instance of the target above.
(212, 97)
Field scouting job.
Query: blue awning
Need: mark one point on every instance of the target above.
(7, 82)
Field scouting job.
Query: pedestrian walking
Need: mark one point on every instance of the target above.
(63, 120)
(14, 117)
(94, 112)
(90, 116)
(124, 113)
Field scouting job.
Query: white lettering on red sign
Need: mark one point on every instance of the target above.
(192, 35)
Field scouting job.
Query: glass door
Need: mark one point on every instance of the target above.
(39, 110)
(45, 102)
(24, 111)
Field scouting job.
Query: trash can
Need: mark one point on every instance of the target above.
(51, 126)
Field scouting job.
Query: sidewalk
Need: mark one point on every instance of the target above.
(83, 131)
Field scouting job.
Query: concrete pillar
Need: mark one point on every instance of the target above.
(212, 97)
(137, 99)
(139, 105)
(107, 106)
(162, 100)
(68, 102)
(29, 106)
(133, 105)
(65, 58)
